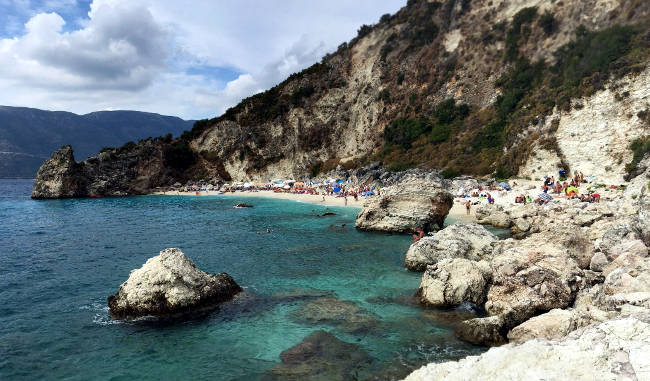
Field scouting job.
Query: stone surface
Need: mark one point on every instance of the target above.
(453, 281)
(59, 177)
(613, 350)
(532, 277)
(493, 215)
(483, 331)
(470, 241)
(405, 207)
(319, 356)
(116, 172)
(554, 324)
(169, 285)
(344, 315)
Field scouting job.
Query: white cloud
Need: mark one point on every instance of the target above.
(132, 54)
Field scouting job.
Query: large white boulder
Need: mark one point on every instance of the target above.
(169, 284)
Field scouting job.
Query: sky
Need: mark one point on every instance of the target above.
(192, 59)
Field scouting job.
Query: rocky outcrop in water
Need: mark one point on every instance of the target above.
(170, 285)
(405, 207)
(470, 241)
(60, 177)
(613, 350)
(116, 172)
(320, 356)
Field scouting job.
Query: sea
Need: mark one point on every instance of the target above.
(61, 259)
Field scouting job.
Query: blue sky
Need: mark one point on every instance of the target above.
(165, 56)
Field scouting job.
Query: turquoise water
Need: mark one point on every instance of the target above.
(60, 259)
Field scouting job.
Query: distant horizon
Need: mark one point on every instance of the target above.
(92, 112)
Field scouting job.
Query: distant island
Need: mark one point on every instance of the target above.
(28, 136)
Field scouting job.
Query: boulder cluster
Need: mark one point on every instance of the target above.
(574, 276)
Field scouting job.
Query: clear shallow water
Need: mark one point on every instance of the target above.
(60, 259)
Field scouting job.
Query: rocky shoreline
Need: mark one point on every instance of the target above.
(570, 268)
(571, 289)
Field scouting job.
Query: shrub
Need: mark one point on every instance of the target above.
(300, 93)
(403, 131)
(449, 173)
(640, 147)
(399, 166)
(548, 23)
(517, 30)
(363, 30)
(179, 155)
(400, 78)
(316, 168)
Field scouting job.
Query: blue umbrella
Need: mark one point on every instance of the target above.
(545, 196)
(505, 185)
(340, 181)
(336, 190)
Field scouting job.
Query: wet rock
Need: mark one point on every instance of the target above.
(320, 356)
(243, 205)
(453, 281)
(344, 315)
(470, 241)
(170, 285)
(405, 207)
(613, 350)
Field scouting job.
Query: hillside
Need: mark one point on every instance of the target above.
(28, 136)
(485, 88)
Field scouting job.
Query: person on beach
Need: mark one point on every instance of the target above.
(419, 233)
(346, 199)
(468, 205)
(323, 200)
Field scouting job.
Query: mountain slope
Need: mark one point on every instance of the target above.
(28, 136)
(479, 87)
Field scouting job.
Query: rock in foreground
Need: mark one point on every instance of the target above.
(406, 206)
(614, 350)
(170, 285)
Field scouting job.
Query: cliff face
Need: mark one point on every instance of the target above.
(117, 172)
(477, 87)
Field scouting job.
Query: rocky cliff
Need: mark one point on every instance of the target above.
(500, 87)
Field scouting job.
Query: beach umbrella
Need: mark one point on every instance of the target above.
(340, 181)
(504, 185)
(336, 190)
(572, 189)
(286, 187)
(545, 196)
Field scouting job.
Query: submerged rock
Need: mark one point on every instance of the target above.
(320, 356)
(406, 206)
(613, 350)
(243, 205)
(344, 315)
(170, 285)
(470, 241)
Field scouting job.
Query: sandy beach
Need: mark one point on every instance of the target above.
(306, 198)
